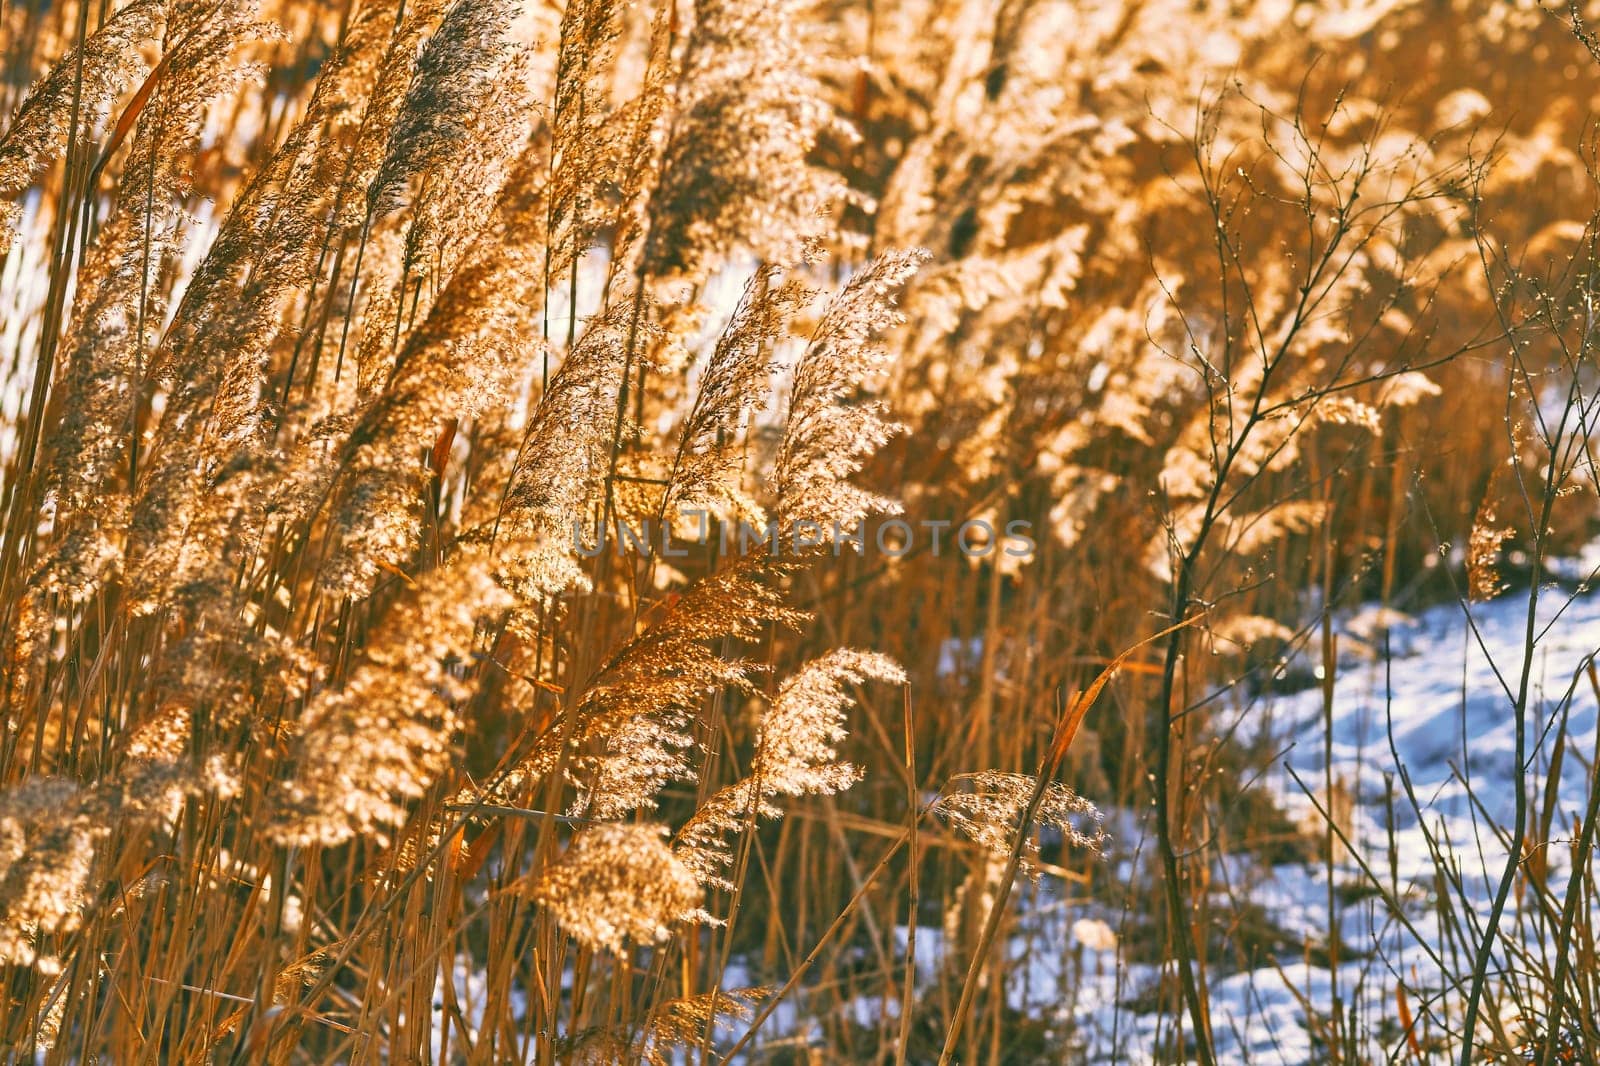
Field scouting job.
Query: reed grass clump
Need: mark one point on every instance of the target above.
(585, 532)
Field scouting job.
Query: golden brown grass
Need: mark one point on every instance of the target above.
(334, 332)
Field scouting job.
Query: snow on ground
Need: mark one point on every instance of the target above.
(1437, 714)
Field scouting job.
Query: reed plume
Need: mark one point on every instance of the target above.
(747, 112)
(825, 436)
(383, 737)
(616, 884)
(796, 755)
(74, 96)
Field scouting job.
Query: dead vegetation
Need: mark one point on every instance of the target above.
(334, 334)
